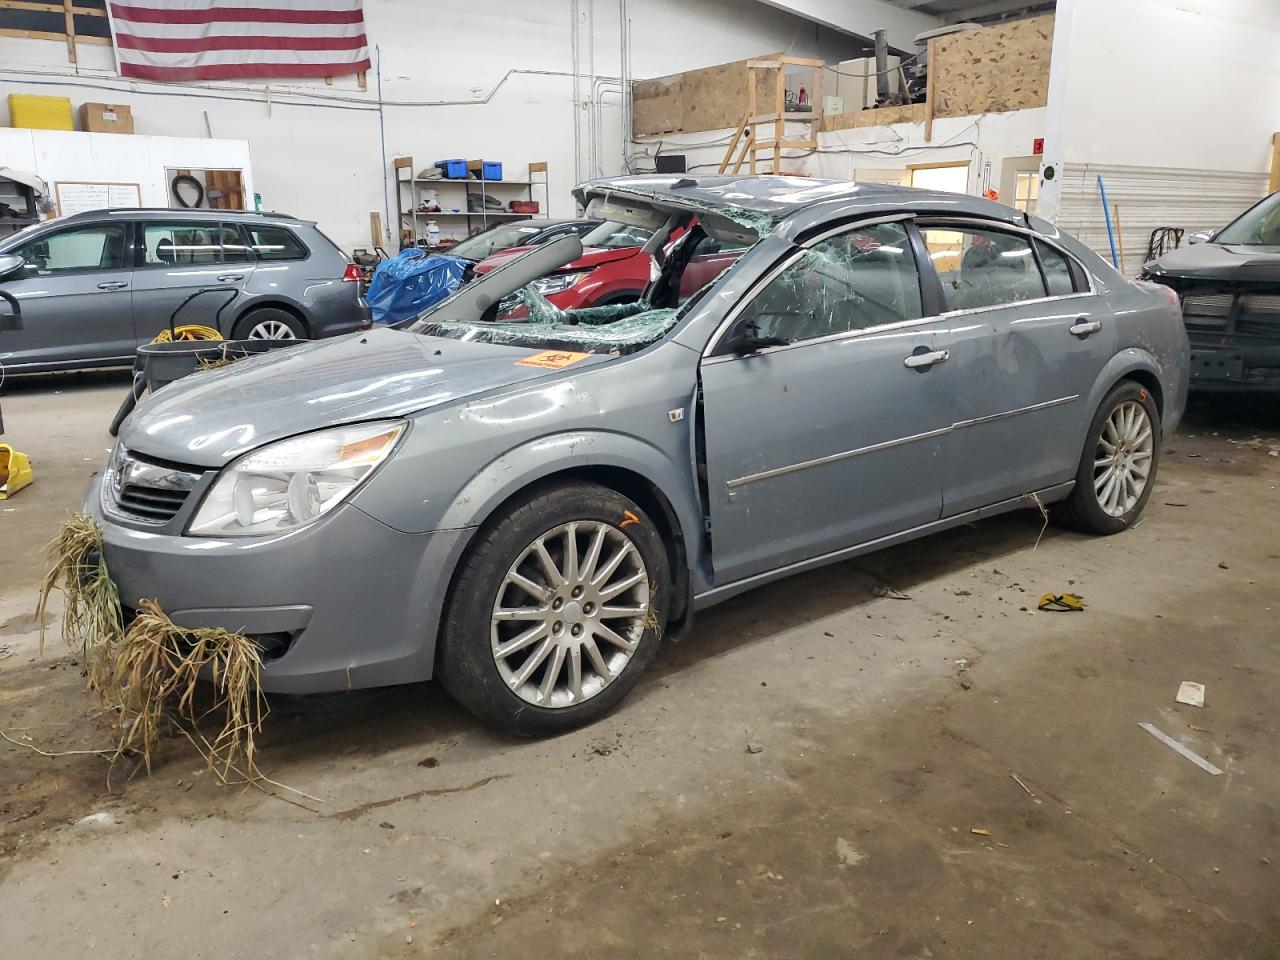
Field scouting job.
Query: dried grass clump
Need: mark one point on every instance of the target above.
(148, 675)
(154, 678)
(91, 619)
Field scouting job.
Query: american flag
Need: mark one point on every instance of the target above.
(181, 40)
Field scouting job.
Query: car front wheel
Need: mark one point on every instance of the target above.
(557, 609)
(1118, 467)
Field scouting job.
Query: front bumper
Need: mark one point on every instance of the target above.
(351, 601)
(1218, 366)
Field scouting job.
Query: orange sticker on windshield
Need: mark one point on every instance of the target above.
(552, 359)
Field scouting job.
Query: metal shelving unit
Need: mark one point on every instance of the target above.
(415, 220)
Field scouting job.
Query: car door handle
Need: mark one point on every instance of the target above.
(113, 284)
(230, 277)
(1083, 327)
(918, 360)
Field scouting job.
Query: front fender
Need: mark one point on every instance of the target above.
(546, 456)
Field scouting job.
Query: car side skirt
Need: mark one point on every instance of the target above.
(709, 598)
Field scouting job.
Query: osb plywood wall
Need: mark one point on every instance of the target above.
(708, 99)
(992, 70)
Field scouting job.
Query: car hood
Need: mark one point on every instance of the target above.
(1219, 261)
(591, 258)
(210, 417)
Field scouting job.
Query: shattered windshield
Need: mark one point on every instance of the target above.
(619, 328)
(1256, 227)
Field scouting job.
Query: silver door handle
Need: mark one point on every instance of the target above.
(1082, 328)
(113, 285)
(229, 277)
(917, 360)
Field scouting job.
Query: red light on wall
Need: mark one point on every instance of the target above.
(1037, 146)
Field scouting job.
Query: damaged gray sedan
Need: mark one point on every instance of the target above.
(524, 509)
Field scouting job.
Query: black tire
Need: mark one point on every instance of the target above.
(466, 662)
(1083, 510)
(265, 316)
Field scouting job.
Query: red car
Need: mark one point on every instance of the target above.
(613, 268)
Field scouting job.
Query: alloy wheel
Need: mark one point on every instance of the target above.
(570, 613)
(1122, 461)
(272, 330)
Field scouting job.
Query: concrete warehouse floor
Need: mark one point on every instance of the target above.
(802, 777)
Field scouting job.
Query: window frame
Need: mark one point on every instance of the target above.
(125, 264)
(717, 347)
(140, 237)
(1078, 272)
(246, 232)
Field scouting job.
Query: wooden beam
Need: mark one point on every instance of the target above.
(1274, 185)
(48, 35)
(70, 20)
(928, 92)
(733, 145)
(45, 8)
(362, 78)
(375, 227)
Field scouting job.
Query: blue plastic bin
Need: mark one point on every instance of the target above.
(490, 170)
(453, 169)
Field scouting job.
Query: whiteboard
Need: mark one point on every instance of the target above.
(79, 197)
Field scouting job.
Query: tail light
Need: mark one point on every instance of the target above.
(352, 274)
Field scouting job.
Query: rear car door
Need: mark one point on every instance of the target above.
(835, 438)
(75, 296)
(1028, 339)
(174, 260)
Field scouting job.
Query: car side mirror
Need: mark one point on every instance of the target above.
(1200, 236)
(747, 339)
(11, 267)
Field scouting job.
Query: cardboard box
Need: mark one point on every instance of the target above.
(106, 118)
(40, 113)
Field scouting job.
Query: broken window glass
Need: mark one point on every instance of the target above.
(866, 277)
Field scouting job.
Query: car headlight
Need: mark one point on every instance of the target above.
(558, 283)
(288, 484)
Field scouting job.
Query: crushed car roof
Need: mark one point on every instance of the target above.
(775, 198)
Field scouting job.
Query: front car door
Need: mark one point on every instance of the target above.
(835, 438)
(75, 296)
(175, 259)
(1028, 339)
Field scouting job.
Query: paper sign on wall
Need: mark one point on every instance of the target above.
(81, 196)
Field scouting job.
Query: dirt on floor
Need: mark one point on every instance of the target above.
(897, 756)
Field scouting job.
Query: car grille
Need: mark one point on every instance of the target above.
(149, 503)
(1259, 316)
(1246, 315)
(149, 491)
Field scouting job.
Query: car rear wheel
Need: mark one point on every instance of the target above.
(1118, 467)
(270, 323)
(556, 611)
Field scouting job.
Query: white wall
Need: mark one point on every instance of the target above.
(56, 155)
(1189, 85)
(491, 80)
(863, 17)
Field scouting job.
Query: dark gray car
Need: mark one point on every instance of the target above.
(1229, 285)
(98, 284)
(525, 509)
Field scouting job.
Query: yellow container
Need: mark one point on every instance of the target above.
(40, 113)
(15, 471)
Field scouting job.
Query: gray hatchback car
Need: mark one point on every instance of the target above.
(525, 509)
(98, 284)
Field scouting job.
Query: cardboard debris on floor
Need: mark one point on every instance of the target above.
(1191, 693)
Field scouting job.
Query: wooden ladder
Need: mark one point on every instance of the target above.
(746, 141)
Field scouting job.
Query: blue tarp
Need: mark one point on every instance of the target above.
(407, 284)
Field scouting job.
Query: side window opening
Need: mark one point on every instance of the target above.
(189, 244)
(1057, 271)
(863, 278)
(100, 247)
(982, 268)
(275, 243)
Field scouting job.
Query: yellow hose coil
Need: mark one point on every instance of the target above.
(188, 331)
